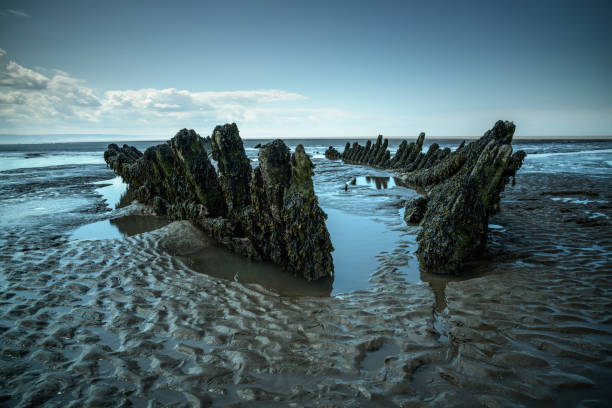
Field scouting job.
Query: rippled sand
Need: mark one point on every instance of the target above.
(127, 321)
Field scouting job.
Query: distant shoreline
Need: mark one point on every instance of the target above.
(129, 139)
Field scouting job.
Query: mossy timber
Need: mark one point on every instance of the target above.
(267, 213)
(461, 190)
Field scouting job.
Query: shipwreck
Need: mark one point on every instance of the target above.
(461, 189)
(271, 212)
(267, 213)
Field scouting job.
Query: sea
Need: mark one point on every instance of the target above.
(104, 304)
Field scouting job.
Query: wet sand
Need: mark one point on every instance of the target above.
(129, 322)
(536, 328)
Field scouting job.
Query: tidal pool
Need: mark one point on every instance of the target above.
(358, 240)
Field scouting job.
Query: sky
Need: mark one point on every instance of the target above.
(305, 68)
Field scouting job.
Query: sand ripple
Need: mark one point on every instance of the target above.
(92, 322)
(125, 322)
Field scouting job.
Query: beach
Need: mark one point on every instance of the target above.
(141, 311)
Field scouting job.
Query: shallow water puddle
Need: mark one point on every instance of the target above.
(119, 227)
(357, 241)
(221, 263)
(96, 230)
(112, 191)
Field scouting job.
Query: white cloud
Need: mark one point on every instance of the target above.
(31, 102)
(185, 108)
(46, 101)
(29, 98)
(175, 101)
(14, 75)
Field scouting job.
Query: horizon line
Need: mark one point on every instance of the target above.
(126, 138)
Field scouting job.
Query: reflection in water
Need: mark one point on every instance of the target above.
(137, 224)
(119, 227)
(438, 287)
(437, 283)
(379, 183)
(357, 241)
(112, 191)
(127, 198)
(116, 194)
(221, 263)
(96, 230)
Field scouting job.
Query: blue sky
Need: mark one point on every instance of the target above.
(306, 69)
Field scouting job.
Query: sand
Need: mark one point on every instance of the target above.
(128, 322)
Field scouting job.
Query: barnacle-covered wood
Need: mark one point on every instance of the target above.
(461, 188)
(176, 176)
(269, 213)
(462, 191)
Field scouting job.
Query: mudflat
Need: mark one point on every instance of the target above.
(142, 318)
